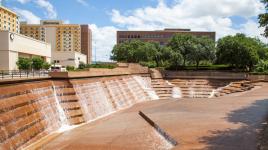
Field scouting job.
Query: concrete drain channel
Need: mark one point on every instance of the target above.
(164, 134)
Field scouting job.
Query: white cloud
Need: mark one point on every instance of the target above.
(27, 16)
(23, 1)
(104, 38)
(252, 29)
(50, 10)
(83, 2)
(207, 15)
(66, 21)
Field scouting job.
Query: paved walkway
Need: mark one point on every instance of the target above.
(227, 123)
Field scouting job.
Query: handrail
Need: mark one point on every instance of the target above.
(11, 74)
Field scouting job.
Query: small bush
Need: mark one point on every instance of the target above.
(203, 67)
(37, 63)
(24, 63)
(82, 65)
(46, 65)
(70, 68)
(150, 64)
(108, 66)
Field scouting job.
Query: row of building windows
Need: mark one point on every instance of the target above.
(68, 28)
(144, 36)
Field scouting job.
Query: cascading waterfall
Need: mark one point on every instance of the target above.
(62, 105)
(212, 94)
(191, 92)
(176, 92)
(48, 112)
(147, 87)
(93, 100)
(64, 125)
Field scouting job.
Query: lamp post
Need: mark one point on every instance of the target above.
(95, 49)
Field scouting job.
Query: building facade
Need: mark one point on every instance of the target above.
(64, 38)
(161, 36)
(9, 20)
(86, 42)
(14, 45)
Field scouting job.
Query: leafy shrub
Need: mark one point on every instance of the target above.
(150, 64)
(37, 63)
(46, 65)
(70, 68)
(82, 65)
(108, 66)
(262, 67)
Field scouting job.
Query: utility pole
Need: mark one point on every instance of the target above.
(95, 48)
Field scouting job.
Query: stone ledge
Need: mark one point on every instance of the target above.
(158, 129)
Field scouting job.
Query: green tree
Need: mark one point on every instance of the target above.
(263, 18)
(161, 55)
(176, 59)
(262, 66)
(238, 51)
(132, 52)
(183, 44)
(46, 65)
(24, 63)
(262, 48)
(37, 63)
(203, 50)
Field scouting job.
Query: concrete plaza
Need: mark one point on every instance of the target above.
(227, 123)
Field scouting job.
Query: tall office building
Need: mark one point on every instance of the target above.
(86, 42)
(9, 20)
(14, 45)
(161, 36)
(71, 43)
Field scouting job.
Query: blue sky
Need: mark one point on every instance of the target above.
(92, 11)
(105, 17)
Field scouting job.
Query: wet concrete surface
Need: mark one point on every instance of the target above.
(226, 123)
(121, 130)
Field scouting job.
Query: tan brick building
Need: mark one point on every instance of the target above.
(161, 36)
(9, 20)
(68, 38)
(86, 42)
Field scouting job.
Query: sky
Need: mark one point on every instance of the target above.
(105, 17)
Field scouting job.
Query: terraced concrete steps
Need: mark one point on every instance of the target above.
(234, 87)
(197, 88)
(162, 88)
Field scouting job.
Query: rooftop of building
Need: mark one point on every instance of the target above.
(24, 36)
(48, 23)
(169, 30)
(8, 10)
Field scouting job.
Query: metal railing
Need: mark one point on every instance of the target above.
(15, 74)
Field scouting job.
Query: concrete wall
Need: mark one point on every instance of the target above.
(4, 60)
(24, 44)
(258, 78)
(214, 75)
(51, 38)
(204, 74)
(69, 58)
(21, 45)
(13, 58)
(100, 72)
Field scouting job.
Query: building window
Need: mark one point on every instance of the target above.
(56, 61)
